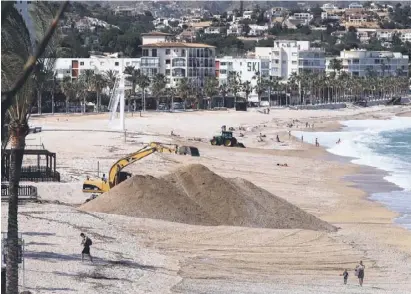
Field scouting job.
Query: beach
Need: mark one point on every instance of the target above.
(143, 255)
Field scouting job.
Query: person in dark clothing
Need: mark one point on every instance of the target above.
(360, 272)
(345, 276)
(86, 242)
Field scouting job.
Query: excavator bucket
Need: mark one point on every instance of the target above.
(188, 150)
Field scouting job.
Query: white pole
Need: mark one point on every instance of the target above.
(122, 104)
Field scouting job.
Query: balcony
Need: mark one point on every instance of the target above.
(150, 62)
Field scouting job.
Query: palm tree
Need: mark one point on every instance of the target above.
(99, 82)
(260, 87)
(184, 89)
(336, 65)
(224, 90)
(158, 85)
(247, 89)
(68, 91)
(234, 84)
(210, 88)
(271, 84)
(43, 75)
(132, 77)
(111, 76)
(143, 83)
(86, 79)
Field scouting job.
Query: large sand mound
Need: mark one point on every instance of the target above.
(195, 195)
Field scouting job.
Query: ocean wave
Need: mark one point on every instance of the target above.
(371, 143)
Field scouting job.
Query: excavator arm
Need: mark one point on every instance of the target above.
(101, 185)
(140, 154)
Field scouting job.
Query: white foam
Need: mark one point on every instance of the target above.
(356, 138)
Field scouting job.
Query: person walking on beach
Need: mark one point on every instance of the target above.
(359, 269)
(345, 276)
(86, 242)
(316, 142)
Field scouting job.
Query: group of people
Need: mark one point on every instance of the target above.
(359, 272)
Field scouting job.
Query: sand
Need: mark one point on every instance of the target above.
(142, 255)
(193, 194)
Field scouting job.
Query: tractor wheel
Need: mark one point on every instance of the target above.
(227, 143)
(214, 142)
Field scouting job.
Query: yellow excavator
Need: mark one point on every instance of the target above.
(116, 176)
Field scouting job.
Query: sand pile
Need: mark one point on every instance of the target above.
(195, 195)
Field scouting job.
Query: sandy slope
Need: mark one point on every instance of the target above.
(153, 256)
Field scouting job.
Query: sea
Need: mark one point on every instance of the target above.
(382, 144)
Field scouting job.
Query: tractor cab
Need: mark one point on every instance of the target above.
(226, 134)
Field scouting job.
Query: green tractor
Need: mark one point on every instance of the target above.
(226, 139)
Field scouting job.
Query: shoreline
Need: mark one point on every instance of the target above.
(368, 181)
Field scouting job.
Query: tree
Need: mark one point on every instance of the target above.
(143, 83)
(86, 80)
(336, 65)
(211, 87)
(99, 82)
(260, 86)
(132, 77)
(43, 78)
(224, 90)
(247, 89)
(158, 85)
(184, 89)
(111, 77)
(234, 84)
(68, 91)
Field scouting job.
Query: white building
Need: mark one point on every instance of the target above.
(330, 16)
(329, 6)
(247, 14)
(249, 69)
(303, 17)
(362, 62)
(213, 30)
(177, 60)
(288, 57)
(355, 6)
(74, 67)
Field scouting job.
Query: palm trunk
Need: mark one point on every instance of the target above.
(17, 142)
(39, 101)
(98, 102)
(84, 104)
(52, 102)
(67, 105)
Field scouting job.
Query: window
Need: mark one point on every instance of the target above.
(167, 61)
(167, 72)
(82, 63)
(168, 51)
(294, 53)
(145, 52)
(223, 63)
(355, 61)
(127, 63)
(116, 63)
(294, 62)
(376, 61)
(67, 71)
(183, 52)
(154, 52)
(223, 71)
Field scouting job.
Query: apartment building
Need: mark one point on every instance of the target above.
(177, 60)
(248, 69)
(362, 63)
(74, 67)
(289, 56)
